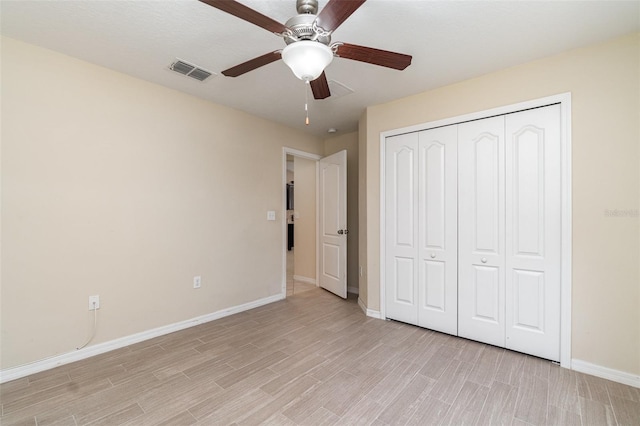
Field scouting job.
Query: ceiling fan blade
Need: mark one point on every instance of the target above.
(320, 87)
(384, 58)
(336, 12)
(252, 64)
(246, 13)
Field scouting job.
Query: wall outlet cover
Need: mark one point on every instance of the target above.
(94, 299)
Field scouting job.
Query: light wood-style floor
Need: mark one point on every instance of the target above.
(314, 359)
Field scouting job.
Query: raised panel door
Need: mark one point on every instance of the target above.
(401, 237)
(333, 219)
(533, 223)
(481, 227)
(437, 229)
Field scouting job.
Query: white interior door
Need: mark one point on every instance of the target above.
(437, 228)
(401, 236)
(333, 223)
(481, 228)
(533, 223)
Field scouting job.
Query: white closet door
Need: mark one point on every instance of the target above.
(533, 205)
(438, 255)
(401, 214)
(481, 227)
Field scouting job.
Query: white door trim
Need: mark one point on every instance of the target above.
(564, 99)
(309, 156)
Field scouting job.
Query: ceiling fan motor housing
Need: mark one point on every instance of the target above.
(301, 28)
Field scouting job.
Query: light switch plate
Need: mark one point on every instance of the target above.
(271, 215)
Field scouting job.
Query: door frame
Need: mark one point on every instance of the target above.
(564, 99)
(309, 156)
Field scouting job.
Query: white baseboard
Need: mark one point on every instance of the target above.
(304, 279)
(69, 357)
(362, 306)
(353, 290)
(368, 312)
(606, 373)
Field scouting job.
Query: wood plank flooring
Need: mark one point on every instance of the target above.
(314, 359)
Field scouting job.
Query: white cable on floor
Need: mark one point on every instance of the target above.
(95, 326)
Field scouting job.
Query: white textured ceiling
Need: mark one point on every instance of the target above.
(450, 41)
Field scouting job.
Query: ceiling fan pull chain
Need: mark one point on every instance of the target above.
(306, 102)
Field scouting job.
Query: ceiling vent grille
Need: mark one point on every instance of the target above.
(338, 90)
(190, 70)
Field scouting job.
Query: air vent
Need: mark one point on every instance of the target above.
(190, 70)
(182, 67)
(199, 74)
(338, 90)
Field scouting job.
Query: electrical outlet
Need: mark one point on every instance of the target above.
(94, 302)
(197, 281)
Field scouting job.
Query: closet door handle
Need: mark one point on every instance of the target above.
(433, 255)
(483, 260)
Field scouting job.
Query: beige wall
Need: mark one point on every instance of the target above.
(349, 141)
(122, 188)
(605, 84)
(305, 223)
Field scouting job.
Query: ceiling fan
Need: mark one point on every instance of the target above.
(308, 37)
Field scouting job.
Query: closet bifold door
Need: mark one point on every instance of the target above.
(481, 230)
(533, 223)
(437, 228)
(401, 226)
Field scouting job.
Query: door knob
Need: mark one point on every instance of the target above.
(433, 255)
(346, 231)
(340, 232)
(484, 260)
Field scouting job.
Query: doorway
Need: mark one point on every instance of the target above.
(299, 227)
(318, 219)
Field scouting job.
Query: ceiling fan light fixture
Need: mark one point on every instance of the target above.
(307, 59)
